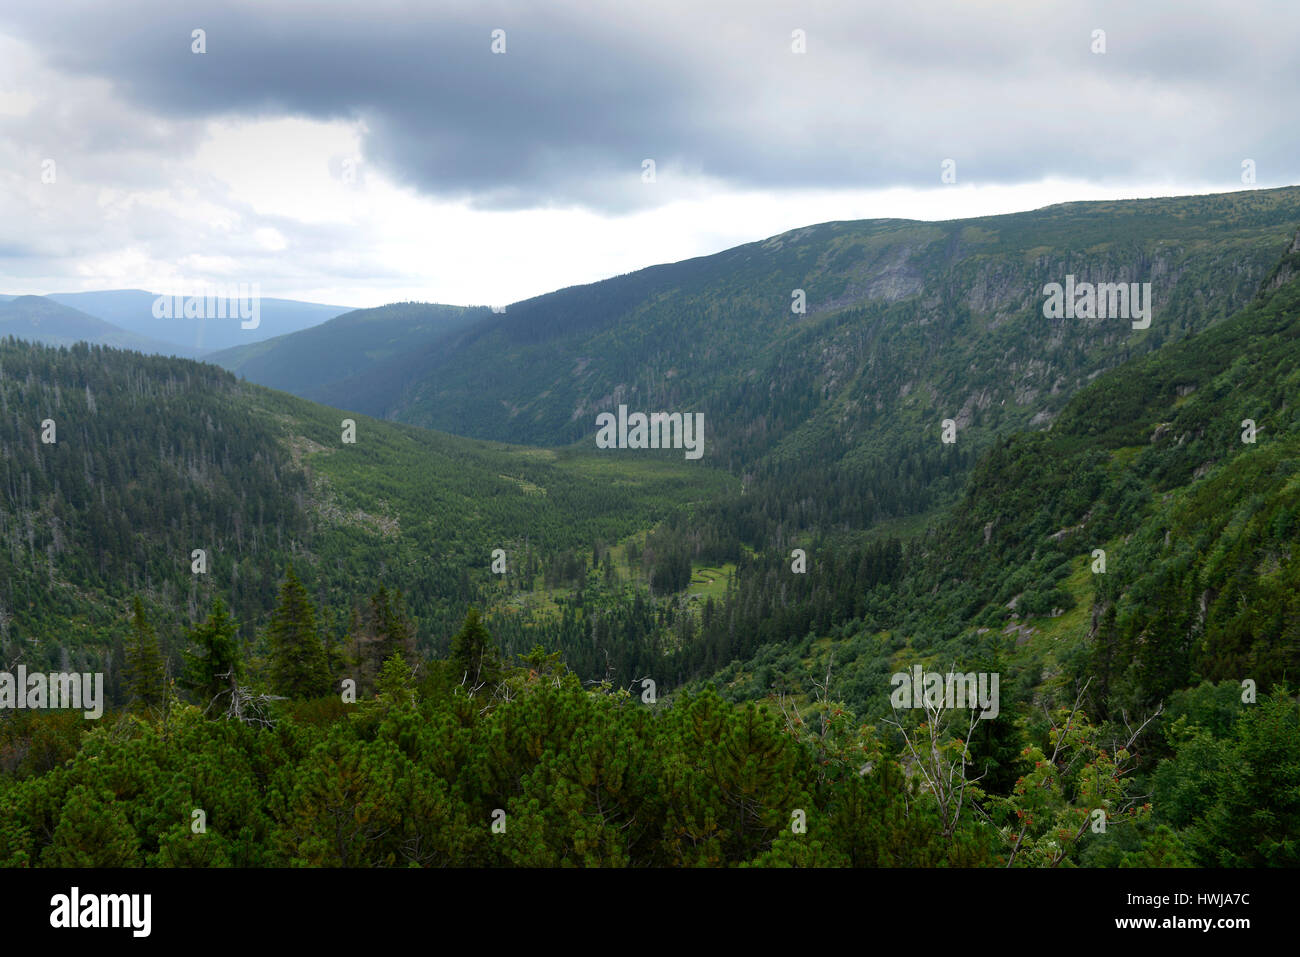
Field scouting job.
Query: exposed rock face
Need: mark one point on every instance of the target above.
(1022, 632)
(1288, 268)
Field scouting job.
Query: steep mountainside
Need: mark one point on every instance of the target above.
(1146, 543)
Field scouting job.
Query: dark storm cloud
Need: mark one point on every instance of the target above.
(586, 91)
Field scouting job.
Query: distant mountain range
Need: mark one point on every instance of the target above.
(40, 319)
(127, 320)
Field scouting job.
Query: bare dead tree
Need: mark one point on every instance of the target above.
(242, 704)
(941, 759)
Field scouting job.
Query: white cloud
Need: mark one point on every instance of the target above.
(305, 205)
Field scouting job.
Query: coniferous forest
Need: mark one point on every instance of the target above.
(610, 666)
(513, 438)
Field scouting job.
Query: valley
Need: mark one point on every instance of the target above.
(1097, 543)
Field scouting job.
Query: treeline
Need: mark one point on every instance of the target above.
(610, 629)
(820, 496)
(293, 657)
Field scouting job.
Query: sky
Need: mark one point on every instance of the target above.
(359, 154)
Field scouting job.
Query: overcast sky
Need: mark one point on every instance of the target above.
(359, 154)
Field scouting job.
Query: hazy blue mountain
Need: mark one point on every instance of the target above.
(132, 310)
(39, 319)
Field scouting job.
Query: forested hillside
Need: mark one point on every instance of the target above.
(651, 670)
(1177, 466)
(149, 459)
(1138, 561)
(327, 360)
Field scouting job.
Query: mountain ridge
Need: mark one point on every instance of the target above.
(40, 319)
(132, 311)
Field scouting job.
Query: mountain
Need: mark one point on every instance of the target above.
(1131, 572)
(133, 310)
(907, 324)
(1143, 545)
(326, 360)
(40, 319)
(1182, 467)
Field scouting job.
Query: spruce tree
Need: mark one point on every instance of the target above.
(474, 655)
(393, 632)
(144, 662)
(396, 684)
(298, 665)
(213, 668)
(377, 634)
